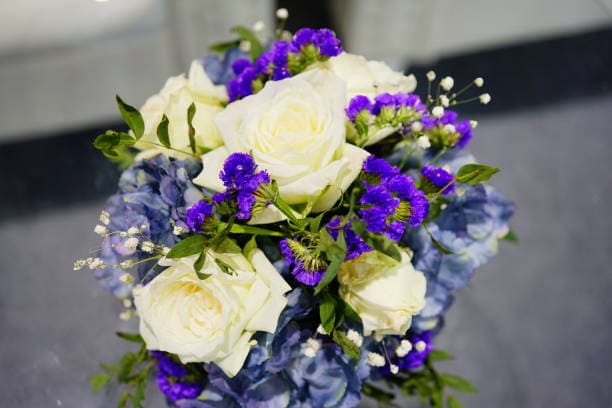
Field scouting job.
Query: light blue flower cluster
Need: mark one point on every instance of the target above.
(153, 196)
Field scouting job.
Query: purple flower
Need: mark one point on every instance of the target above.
(302, 37)
(325, 39)
(358, 104)
(409, 101)
(391, 200)
(172, 378)
(306, 267)
(355, 245)
(411, 357)
(243, 182)
(240, 65)
(438, 178)
(197, 213)
(384, 100)
(447, 131)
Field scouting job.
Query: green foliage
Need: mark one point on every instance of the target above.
(440, 247)
(189, 246)
(131, 371)
(113, 144)
(162, 131)
(132, 117)
(190, 114)
(335, 252)
(511, 237)
(377, 393)
(439, 355)
(453, 402)
(327, 312)
(378, 242)
(246, 34)
(348, 347)
(458, 383)
(475, 173)
(248, 229)
(199, 264)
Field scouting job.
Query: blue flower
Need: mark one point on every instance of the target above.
(153, 196)
(198, 213)
(173, 380)
(220, 70)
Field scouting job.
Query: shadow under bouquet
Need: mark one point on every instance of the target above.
(290, 227)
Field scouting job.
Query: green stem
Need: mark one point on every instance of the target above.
(170, 148)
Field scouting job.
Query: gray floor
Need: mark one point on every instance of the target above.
(532, 330)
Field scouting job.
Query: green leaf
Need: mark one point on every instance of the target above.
(199, 263)
(228, 246)
(139, 393)
(247, 34)
(315, 223)
(439, 355)
(348, 347)
(127, 364)
(250, 246)
(132, 117)
(162, 131)
(453, 402)
(98, 381)
(223, 47)
(225, 268)
(131, 337)
(475, 173)
(330, 274)
(384, 245)
(440, 247)
(511, 237)
(187, 247)
(190, 114)
(378, 394)
(327, 312)
(123, 399)
(458, 383)
(348, 311)
(248, 229)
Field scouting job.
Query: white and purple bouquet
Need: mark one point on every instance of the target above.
(291, 226)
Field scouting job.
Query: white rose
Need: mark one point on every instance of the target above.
(295, 129)
(369, 78)
(211, 320)
(385, 293)
(173, 100)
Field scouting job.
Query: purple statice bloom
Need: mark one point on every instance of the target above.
(462, 127)
(465, 130)
(308, 273)
(280, 52)
(303, 37)
(409, 100)
(171, 378)
(392, 201)
(240, 65)
(327, 43)
(358, 104)
(243, 181)
(384, 100)
(379, 167)
(355, 245)
(197, 213)
(439, 178)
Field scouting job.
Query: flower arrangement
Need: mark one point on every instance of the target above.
(291, 225)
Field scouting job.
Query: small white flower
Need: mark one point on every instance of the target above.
(178, 230)
(165, 250)
(447, 83)
(431, 76)
(95, 263)
(123, 234)
(321, 330)
(378, 337)
(282, 13)
(479, 82)
(143, 227)
(450, 128)
(126, 278)
(444, 100)
(101, 230)
(133, 231)
(416, 126)
(126, 265)
(104, 217)
(259, 26)
(437, 111)
(473, 124)
(420, 346)
(485, 98)
(131, 243)
(127, 303)
(443, 206)
(245, 46)
(403, 349)
(311, 347)
(375, 360)
(423, 142)
(355, 337)
(126, 315)
(147, 247)
(79, 264)
(394, 369)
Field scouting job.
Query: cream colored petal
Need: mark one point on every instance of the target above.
(232, 363)
(265, 270)
(212, 164)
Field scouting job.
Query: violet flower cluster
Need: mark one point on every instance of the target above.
(282, 60)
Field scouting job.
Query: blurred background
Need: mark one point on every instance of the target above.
(533, 330)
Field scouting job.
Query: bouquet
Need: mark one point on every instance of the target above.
(291, 225)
